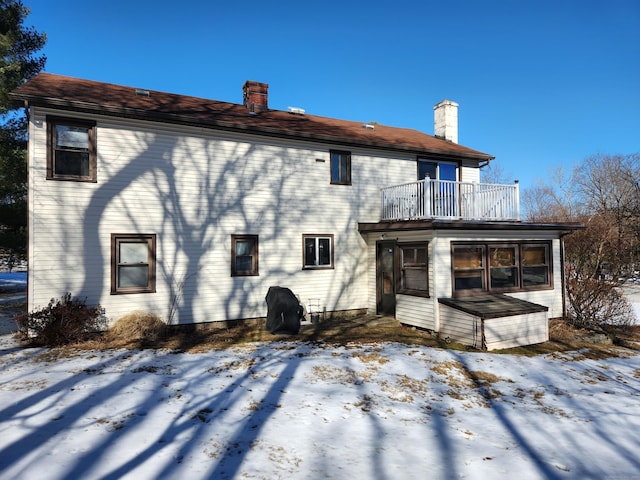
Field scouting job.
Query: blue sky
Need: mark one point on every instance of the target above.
(541, 83)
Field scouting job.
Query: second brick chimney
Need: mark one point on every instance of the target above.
(445, 120)
(255, 96)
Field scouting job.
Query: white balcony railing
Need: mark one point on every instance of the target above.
(426, 199)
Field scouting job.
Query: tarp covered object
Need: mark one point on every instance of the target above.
(283, 311)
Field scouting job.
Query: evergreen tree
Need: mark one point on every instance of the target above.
(19, 62)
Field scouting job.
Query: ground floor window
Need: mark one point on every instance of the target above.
(318, 251)
(133, 263)
(413, 277)
(244, 255)
(501, 267)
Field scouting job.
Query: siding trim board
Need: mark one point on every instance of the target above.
(398, 226)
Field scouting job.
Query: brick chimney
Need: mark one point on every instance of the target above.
(255, 96)
(445, 120)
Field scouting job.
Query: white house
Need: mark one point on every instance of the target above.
(192, 208)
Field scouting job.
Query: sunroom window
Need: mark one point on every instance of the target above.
(468, 268)
(494, 267)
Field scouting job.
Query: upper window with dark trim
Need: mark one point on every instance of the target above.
(340, 167)
(318, 251)
(133, 263)
(413, 278)
(244, 255)
(501, 267)
(71, 152)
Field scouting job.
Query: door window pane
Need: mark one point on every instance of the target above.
(427, 169)
(447, 171)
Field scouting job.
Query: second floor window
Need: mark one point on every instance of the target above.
(71, 153)
(340, 167)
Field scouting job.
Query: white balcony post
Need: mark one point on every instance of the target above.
(517, 199)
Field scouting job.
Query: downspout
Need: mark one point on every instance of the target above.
(562, 275)
(485, 164)
(434, 276)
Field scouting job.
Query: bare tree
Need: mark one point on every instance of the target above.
(603, 194)
(494, 173)
(610, 187)
(552, 202)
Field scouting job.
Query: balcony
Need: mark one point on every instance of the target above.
(445, 199)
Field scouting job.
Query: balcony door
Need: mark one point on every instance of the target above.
(442, 201)
(437, 170)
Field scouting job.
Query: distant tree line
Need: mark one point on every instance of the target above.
(19, 62)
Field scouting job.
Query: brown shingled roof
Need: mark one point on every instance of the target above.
(74, 94)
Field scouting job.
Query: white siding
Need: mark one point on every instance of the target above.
(461, 327)
(468, 174)
(416, 311)
(194, 188)
(516, 330)
(502, 332)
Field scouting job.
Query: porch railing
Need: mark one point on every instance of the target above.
(427, 199)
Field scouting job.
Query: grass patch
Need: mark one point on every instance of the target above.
(143, 330)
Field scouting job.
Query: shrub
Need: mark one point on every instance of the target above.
(598, 305)
(138, 326)
(63, 321)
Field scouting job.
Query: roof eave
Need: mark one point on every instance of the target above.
(437, 224)
(20, 99)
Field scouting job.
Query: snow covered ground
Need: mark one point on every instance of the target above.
(301, 411)
(632, 292)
